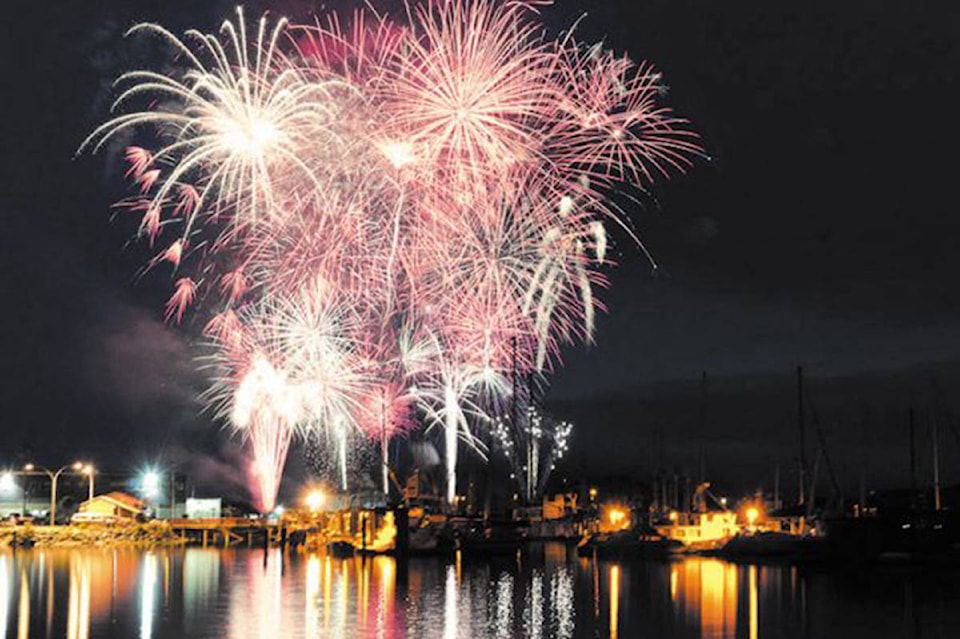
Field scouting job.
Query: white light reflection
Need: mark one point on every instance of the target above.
(201, 578)
(387, 568)
(4, 594)
(562, 610)
(341, 597)
(533, 614)
(78, 606)
(450, 605)
(503, 622)
(23, 621)
(312, 597)
(148, 592)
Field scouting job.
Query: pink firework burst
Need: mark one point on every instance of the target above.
(391, 218)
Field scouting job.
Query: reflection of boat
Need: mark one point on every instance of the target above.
(341, 548)
(626, 543)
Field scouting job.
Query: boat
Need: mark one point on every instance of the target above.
(494, 538)
(430, 540)
(642, 542)
(775, 545)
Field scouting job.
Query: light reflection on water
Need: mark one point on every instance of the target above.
(542, 593)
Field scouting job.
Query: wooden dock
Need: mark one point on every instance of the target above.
(229, 531)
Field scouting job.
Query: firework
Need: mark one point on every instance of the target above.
(390, 220)
(532, 446)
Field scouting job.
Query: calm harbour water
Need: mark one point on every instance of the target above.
(546, 591)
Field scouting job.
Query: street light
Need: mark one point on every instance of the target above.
(89, 471)
(314, 500)
(150, 484)
(77, 467)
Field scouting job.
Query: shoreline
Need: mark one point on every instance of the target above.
(134, 535)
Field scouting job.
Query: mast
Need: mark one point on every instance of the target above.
(913, 456)
(936, 463)
(776, 487)
(703, 424)
(800, 425)
(863, 461)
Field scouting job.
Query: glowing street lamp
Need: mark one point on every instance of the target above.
(150, 484)
(89, 471)
(314, 500)
(54, 475)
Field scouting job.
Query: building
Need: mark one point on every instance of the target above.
(112, 505)
(203, 508)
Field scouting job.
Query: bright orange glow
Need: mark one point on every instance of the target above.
(752, 514)
(614, 518)
(385, 537)
(315, 500)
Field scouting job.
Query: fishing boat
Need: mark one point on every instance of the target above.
(636, 542)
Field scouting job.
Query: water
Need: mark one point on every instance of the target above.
(545, 592)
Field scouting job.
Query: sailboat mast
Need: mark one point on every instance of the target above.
(936, 464)
(802, 476)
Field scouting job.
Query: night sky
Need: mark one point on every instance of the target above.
(823, 232)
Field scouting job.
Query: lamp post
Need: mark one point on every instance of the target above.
(77, 467)
(89, 471)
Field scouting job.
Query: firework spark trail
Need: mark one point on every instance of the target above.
(388, 217)
(266, 409)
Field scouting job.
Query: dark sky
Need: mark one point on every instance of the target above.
(823, 231)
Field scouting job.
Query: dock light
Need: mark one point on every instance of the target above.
(617, 516)
(752, 515)
(673, 515)
(314, 500)
(7, 484)
(593, 494)
(614, 518)
(723, 502)
(150, 484)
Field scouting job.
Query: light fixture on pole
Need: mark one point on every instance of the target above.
(54, 475)
(89, 471)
